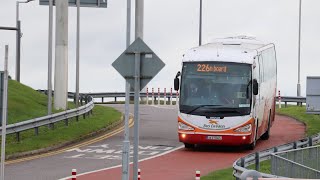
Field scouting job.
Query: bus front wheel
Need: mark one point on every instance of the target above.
(188, 146)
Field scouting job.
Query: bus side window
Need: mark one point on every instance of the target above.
(261, 73)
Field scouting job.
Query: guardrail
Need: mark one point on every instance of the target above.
(239, 166)
(115, 95)
(35, 123)
(287, 99)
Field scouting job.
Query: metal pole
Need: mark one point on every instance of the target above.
(126, 142)
(17, 43)
(298, 85)
(50, 58)
(200, 23)
(4, 112)
(138, 33)
(136, 116)
(139, 19)
(78, 51)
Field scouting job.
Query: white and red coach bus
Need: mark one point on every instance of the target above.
(227, 92)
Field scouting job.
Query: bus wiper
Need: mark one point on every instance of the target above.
(200, 106)
(230, 110)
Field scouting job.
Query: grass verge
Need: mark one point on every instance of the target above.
(25, 103)
(102, 117)
(312, 123)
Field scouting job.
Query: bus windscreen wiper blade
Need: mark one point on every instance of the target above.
(200, 106)
(229, 110)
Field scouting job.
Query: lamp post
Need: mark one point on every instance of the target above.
(18, 39)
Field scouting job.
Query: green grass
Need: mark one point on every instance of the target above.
(312, 123)
(102, 117)
(223, 174)
(25, 103)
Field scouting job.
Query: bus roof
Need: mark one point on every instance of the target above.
(241, 49)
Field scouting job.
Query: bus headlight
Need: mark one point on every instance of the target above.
(246, 128)
(183, 126)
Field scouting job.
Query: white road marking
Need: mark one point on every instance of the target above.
(145, 159)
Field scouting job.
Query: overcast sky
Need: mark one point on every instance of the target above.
(171, 28)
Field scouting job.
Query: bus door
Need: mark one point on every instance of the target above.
(262, 90)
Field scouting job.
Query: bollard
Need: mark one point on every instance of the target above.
(158, 96)
(165, 97)
(171, 96)
(197, 175)
(147, 97)
(74, 174)
(279, 99)
(139, 174)
(152, 96)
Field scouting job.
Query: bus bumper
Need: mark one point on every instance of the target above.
(208, 139)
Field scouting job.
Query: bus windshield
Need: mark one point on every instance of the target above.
(216, 89)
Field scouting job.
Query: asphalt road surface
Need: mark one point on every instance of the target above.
(158, 138)
(158, 134)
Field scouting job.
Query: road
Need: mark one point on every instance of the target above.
(158, 135)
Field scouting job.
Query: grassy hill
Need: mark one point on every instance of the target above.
(25, 103)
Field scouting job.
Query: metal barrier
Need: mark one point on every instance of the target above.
(239, 166)
(287, 99)
(35, 123)
(298, 163)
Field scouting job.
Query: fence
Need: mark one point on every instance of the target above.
(299, 163)
(35, 123)
(239, 166)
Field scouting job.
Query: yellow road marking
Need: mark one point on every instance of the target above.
(97, 139)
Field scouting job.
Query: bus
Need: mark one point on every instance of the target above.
(227, 92)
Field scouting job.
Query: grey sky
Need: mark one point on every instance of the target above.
(171, 27)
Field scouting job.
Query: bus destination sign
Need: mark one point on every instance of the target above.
(211, 68)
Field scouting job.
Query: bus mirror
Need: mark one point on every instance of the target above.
(255, 87)
(176, 84)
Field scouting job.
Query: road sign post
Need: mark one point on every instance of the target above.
(138, 64)
(126, 142)
(4, 111)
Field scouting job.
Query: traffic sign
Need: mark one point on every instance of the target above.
(83, 3)
(150, 63)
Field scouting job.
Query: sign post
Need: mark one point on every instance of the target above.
(126, 142)
(4, 76)
(138, 64)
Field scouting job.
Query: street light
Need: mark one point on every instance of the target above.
(18, 39)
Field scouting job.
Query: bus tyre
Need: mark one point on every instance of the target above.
(266, 135)
(188, 146)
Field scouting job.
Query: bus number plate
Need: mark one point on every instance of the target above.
(214, 137)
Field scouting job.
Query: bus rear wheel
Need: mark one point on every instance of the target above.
(188, 146)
